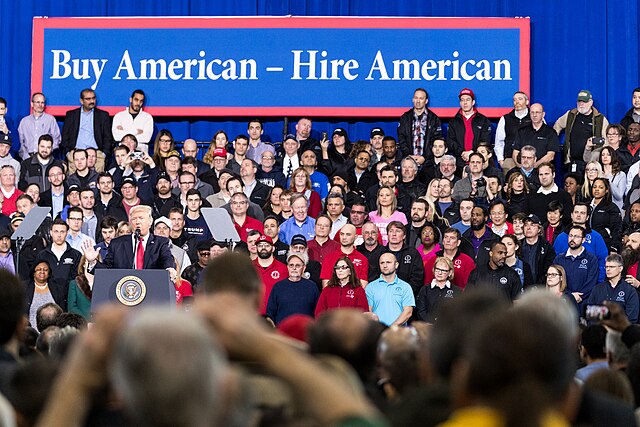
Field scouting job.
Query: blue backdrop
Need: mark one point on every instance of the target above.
(574, 45)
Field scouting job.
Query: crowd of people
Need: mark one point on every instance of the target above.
(383, 234)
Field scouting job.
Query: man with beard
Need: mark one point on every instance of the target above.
(108, 202)
(269, 269)
(446, 207)
(419, 209)
(480, 236)
(165, 200)
(360, 179)
(390, 150)
(581, 125)
(134, 121)
(580, 265)
(193, 272)
(371, 249)
(631, 257)
(463, 264)
(56, 196)
(31, 169)
(594, 242)
(507, 130)
(633, 115)
(410, 266)
(496, 274)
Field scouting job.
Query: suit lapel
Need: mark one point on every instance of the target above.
(148, 249)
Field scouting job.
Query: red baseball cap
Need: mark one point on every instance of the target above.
(264, 238)
(219, 152)
(467, 91)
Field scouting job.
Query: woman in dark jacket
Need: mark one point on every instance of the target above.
(516, 192)
(42, 289)
(605, 215)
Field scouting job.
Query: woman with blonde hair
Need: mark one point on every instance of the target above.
(592, 171)
(386, 211)
(432, 294)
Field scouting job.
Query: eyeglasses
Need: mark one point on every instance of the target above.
(243, 202)
(497, 213)
(187, 182)
(75, 219)
(165, 140)
(553, 275)
(591, 170)
(358, 212)
(295, 265)
(440, 270)
(341, 267)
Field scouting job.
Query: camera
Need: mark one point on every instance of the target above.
(597, 141)
(137, 155)
(325, 135)
(480, 182)
(597, 312)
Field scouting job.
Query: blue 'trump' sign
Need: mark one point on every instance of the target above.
(365, 67)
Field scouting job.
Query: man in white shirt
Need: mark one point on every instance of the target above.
(134, 121)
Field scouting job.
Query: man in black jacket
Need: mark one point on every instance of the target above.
(418, 128)
(410, 266)
(459, 141)
(497, 274)
(96, 135)
(536, 250)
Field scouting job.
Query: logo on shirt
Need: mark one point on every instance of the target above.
(583, 263)
(67, 261)
(351, 293)
(519, 271)
(457, 263)
(503, 280)
(621, 295)
(407, 259)
(449, 293)
(275, 275)
(588, 239)
(357, 262)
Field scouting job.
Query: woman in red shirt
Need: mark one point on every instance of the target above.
(344, 289)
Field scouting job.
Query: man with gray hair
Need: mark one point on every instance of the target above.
(539, 135)
(295, 294)
(616, 289)
(527, 165)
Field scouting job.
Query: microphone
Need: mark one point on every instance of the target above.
(137, 235)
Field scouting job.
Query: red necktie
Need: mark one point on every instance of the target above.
(140, 255)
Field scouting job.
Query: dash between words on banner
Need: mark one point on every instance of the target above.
(306, 65)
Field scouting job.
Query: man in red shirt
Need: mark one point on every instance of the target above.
(631, 257)
(348, 249)
(269, 269)
(463, 264)
(241, 221)
(321, 245)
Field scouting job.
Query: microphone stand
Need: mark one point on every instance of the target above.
(137, 237)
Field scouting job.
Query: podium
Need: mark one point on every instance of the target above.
(132, 288)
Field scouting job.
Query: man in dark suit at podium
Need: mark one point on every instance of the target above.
(139, 250)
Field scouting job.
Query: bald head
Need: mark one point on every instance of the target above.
(190, 148)
(348, 235)
(633, 241)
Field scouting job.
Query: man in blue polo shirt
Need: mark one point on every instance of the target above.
(299, 223)
(390, 298)
(616, 289)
